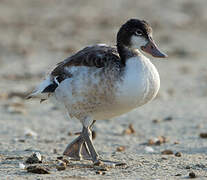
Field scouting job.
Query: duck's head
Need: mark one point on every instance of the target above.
(137, 34)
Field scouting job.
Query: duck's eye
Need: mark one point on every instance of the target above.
(138, 33)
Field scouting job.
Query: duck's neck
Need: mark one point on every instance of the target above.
(126, 53)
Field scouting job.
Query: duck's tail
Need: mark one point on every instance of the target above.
(44, 90)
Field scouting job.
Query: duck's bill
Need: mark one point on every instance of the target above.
(152, 49)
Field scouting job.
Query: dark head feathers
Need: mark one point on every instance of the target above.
(131, 27)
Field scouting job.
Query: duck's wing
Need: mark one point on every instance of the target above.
(97, 56)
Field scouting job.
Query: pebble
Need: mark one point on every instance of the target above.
(60, 157)
(176, 142)
(120, 149)
(203, 135)
(129, 130)
(192, 175)
(187, 167)
(156, 121)
(169, 118)
(61, 166)
(21, 166)
(157, 141)
(34, 158)
(178, 154)
(37, 170)
(167, 152)
(100, 172)
(149, 149)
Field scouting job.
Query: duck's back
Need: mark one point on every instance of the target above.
(97, 56)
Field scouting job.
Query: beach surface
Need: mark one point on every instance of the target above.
(36, 34)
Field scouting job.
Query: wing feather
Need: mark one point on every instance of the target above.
(98, 56)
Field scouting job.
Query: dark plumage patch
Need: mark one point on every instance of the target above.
(50, 88)
(92, 56)
(130, 28)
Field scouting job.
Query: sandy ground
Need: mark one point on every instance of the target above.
(36, 34)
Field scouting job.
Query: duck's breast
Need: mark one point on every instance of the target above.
(140, 83)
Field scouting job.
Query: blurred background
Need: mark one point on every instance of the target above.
(37, 34)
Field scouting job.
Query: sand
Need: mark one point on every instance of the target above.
(36, 34)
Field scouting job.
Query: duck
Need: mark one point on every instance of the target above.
(101, 82)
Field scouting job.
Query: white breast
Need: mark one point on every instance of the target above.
(140, 83)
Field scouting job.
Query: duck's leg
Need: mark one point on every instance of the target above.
(77, 149)
(87, 135)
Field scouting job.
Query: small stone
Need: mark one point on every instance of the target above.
(203, 135)
(21, 140)
(187, 167)
(161, 140)
(176, 142)
(149, 149)
(178, 154)
(100, 172)
(37, 170)
(167, 152)
(169, 118)
(157, 141)
(60, 157)
(121, 148)
(192, 175)
(61, 166)
(129, 130)
(21, 166)
(156, 121)
(178, 174)
(34, 158)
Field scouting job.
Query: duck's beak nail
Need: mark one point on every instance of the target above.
(152, 49)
